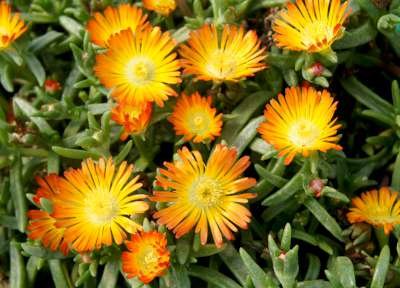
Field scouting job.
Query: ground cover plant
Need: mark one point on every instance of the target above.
(200, 143)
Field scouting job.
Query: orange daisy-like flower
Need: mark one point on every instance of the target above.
(139, 67)
(301, 122)
(234, 55)
(194, 118)
(42, 225)
(134, 118)
(95, 204)
(202, 195)
(378, 208)
(310, 25)
(148, 256)
(114, 20)
(163, 7)
(11, 26)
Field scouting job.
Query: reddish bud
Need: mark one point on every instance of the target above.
(52, 86)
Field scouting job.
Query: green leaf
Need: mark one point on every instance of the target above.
(36, 67)
(207, 250)
(381, 268)
(232, 260)
(343, 272)
(396, 174)
(324, 217)
(75, 153)
(41, 252)
(18, 194)
(259, 278)
(123, 153)
(367, 97)
(313, 268)
(356, 37)
(295, 184)
(72, 26)
(247, 134)
(6, 77)
(275, 180)
(334, 194)
(43, 41)
(17, 267)
(315, 240)
(183, 246)
(211, 276)
(286, 237)
(59, 274)
(28, 110)
(110, 275)
(314, 284)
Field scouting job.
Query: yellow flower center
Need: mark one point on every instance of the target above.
(199, 123)
(140, 70)
(304, 133)
(206, 192)
(221, 64)
(101, 209)
(315, 32)
(148, 258)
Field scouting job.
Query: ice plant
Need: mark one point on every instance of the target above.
(310, 25)
(11, 25)
(195, 118)
(232, 56)
(96, 203)
(202, 195)
(139, 67)
(134, 118)
(114, 20)
(163, 7)
(300, 122)
(378, 208)
(147, 256)
(42, 224)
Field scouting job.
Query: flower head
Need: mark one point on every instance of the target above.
(42, 225)
(234, 55)
(95, 204)
(301, 122)
(194, 118)
(163, 7)
(147, 256)
(310, 25)
(52, 86)
(114, 20)
(134, 118)
(139, 67)
(378, 208)
(11, 26)
(202, 195)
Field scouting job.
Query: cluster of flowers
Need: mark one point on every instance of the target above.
(96, 205)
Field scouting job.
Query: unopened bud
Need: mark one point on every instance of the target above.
(52, 86)
(316, 186)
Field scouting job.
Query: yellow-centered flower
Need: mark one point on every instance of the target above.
(194, 118)
(300, 122)
(163, 7)
(11, 25)
(147, 256)
(139, 67)
(42, 225)
(310, 26)
(96, 203)
(378, 208)
(134, 118)
(232, 56)
(114, 20)
(205, 195)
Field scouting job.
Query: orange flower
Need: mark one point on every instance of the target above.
(114, 20)
(96, 204)
(234, 55)
(201, 195)
(378, 208)
(139, 67)
(148, 256)
(52, 86)
(134, 118)
(194, 118)
(42, 225)
(300, 122)
(310, 26)
(11, 26)
(163, 7)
